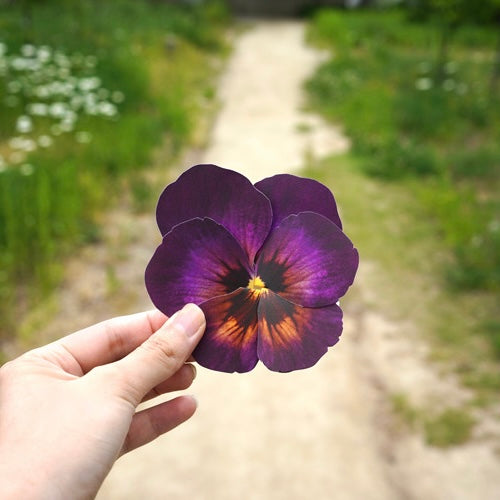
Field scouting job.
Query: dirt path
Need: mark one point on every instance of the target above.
(327, 432)
(324, 433)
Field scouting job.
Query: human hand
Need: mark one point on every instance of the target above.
(68, 409)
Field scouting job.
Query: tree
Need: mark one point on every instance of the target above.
(448, 15)
(488, 12)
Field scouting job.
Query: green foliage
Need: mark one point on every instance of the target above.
(471, 229)
(492, 330)
(404, 410)
(406, 251)
(156, 55)
(446, 12)
(405, 123)
(449, 428)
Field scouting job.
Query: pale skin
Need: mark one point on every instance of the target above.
(68, 409)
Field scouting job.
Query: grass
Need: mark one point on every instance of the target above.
(420, 188)
(156, 58)
(389, 227)
(450, 427)
(406, 125)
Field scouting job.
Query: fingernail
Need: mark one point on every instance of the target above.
(193, 368)
(191, 318)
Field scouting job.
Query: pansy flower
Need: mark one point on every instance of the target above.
(267, 263)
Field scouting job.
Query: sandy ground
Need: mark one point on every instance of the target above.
(323, 433)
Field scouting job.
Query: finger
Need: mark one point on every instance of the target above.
(111, 340)
(160, 356)
(179, 381)
(149, 424)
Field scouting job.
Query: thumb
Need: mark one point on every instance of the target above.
(161, 355)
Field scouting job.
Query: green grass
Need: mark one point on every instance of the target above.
(420, 188)
(160, 58)
(389, 227)
(405, 125)
(450, 427)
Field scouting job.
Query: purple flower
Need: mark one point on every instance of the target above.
(266, 263)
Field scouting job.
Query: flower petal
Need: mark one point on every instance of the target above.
(196, 261)
(308, 260)
(225, 196)
(229, 343)
(292, 337)
(290, 194)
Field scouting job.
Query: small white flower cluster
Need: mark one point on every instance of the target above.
(425, 82)
(52, 90)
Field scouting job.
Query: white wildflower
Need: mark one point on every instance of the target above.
(90, 83)
(58, 109)
(15, 142)
(24, 125)
(76, 102)
(38, 109)
(67, 125)
(42, 91)
(28, 50)
(30, 145)
(107, 109)
(423, 84)
(45, 141)
(44, 53)
(26, 169)
(117, 96)
(83, 137)
(19, 63)
(22, 144)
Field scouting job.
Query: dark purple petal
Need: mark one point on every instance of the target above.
(196, 261)
(229, 343)
(308, 260)
(225, 196)
(292, 337)
(291, 195)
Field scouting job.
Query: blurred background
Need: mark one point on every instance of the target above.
(102, 103)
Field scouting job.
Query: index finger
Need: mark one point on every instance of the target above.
(112, 339)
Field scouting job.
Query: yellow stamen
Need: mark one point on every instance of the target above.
(256, 284)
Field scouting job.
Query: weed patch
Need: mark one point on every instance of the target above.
(406, 123)
(84, 100)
